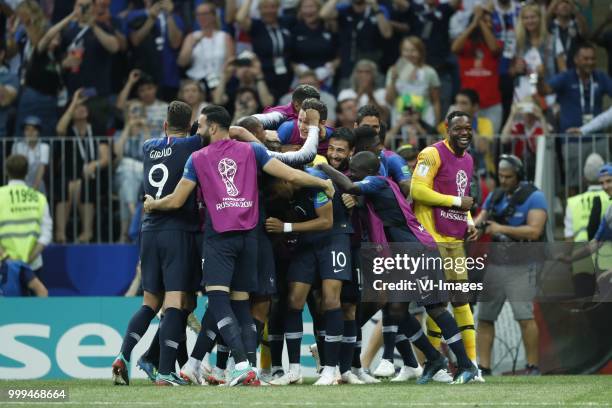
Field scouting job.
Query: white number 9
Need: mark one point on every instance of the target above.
(159, 184)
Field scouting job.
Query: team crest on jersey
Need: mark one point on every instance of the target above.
(462, 180)
(227, 169)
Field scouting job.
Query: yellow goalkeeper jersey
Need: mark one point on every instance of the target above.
(425, 197)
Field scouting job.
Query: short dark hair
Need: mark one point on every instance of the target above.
(179, 116)
(250, 123)
(366, 161)
(345, 134)
(17, 167)
(364, 136)
(584, 45)
(312, 103)
(456, 114)
(471, 94)
(367, 110)
(218, 115)
(145, 79)
(303, 92)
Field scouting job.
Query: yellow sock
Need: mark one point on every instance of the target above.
(265, 359)
(465, 322)
(434, 334)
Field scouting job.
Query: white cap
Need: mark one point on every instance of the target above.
(346, 94)
(591, 167)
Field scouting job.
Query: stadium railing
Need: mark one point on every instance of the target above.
(553, 162)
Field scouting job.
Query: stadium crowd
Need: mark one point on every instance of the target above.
(87, 68)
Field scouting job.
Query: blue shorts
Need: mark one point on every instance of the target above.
(229, 260)
(266, 268)
(351, 289)
(327, 258)
(170, 261)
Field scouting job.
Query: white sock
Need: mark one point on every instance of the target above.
(295, 368)
(242, 365)
(194, 363)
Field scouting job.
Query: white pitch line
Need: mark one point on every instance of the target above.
(302, 403)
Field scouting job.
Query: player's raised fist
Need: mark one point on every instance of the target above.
(312, 117)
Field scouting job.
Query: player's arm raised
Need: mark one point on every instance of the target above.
(276, 168)
(171, 201)
(343, 182)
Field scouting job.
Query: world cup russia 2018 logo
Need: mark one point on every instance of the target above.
(227, 169)
(462, 181)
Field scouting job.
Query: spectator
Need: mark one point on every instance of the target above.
(410, 127)
(309, 77)
(205, 51)
(80, 162)
(314, 47)
(146, 91)
(247, 104)
(580, 94)
(25, 228)
(597, 125)
(534, 56)
(271, 40)
(434, 18)
(156, 34)
(467, 101)
(509, 220)
(524, 125)
(242, 72)
(35, 151)
(119, 60)
(579, 91)
(404, 23)
(9, 83)
(127, 147)
(479, 52)
(89, 45)
(364, 82)
(26, 31)
(411, 76)
(193, 94)
(568, 27)
(362, 26)
(43, 81)
(505, 18)
(346, 109)
(603, 38)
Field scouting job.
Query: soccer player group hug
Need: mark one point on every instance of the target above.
(268, 216)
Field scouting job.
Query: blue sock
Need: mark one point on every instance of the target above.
(357, 349)
(349, 338)
(452, 336)
(405, 349)
(152, 353)
(411, 328)
(207, 336)
(318, 325)
(389, 331)
(182, 355)
(223, 353)
(219, 303)
(136, 329)
(242, 310)
(334, 326)
(293, 334)
(170, 335)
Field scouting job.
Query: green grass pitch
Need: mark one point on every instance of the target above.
(576, 391)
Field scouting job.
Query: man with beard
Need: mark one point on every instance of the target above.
(440, 189)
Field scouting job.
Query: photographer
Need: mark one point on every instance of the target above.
(514, 212)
